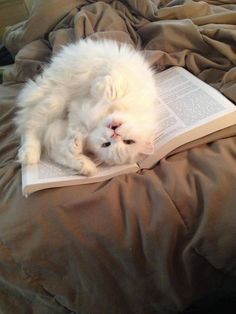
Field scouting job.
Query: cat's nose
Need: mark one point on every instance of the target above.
(114, 126)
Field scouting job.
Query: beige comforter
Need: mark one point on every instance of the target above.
(136, 244)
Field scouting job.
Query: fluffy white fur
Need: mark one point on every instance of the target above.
(96, 96)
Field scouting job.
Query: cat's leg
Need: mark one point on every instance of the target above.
(27, 124)
(32, 121)
(81, 163)
(65, 147)
(30, 150)
(67, 153)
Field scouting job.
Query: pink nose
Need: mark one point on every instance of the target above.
(114, 126)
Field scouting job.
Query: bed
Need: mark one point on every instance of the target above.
(140, 243)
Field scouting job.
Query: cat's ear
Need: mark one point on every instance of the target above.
(148, 148)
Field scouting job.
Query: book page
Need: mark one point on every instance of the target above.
(47, 174)
(49, 170)
(186, 104)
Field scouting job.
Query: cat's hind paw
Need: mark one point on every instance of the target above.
(29, 154)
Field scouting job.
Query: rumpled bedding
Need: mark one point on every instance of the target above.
(138, 243)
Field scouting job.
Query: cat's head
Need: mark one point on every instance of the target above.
(121, 138)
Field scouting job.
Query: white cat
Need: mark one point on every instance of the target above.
(96, 96)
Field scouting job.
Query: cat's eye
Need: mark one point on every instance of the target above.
(129, 142)
(106, 144)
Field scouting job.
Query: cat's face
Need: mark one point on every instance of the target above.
(119, 140)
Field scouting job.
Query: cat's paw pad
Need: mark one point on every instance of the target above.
(29, 154)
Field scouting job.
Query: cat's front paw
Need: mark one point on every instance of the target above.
(88, 168)
(29, 154)
(84, 166)
(75, 145)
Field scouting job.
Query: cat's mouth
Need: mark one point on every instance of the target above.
(115, 135)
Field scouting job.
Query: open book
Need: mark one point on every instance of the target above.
(188, 109)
